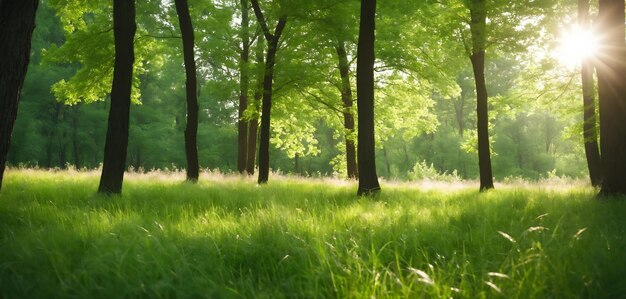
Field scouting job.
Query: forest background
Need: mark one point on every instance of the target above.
(425, 98)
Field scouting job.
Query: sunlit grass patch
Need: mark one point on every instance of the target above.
(296, 237)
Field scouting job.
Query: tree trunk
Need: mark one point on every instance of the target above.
(612, 90)
(253, 122)
(266, 108)
(117, 132)
(348, 117)
(368, 180)
(242, 123)
(191, 86)
(478, 30)
(272, 48)
(253, 132)
(590, 132)
(17, 22)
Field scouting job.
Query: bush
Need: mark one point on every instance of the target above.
(423, 171)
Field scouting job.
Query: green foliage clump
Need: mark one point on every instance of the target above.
(423, 171)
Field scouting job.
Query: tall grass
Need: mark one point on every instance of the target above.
(225, 237)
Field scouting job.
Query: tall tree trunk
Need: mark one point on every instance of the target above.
(612, 94)
(348, 117)
(17, 22)
(191, 86)
(590, 132)
(266, 108)
(242, 123)
(270, 60)
(478, 26)
(253, 122)
(368, 180)
(117, 132)
(253, 133)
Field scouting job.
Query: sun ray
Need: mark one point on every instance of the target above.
(575, 44)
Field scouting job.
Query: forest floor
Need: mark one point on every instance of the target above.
(226, 237)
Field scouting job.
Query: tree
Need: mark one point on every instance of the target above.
(253, 121)
(17, 22)
(612, 89)
(270, 60)
(337, 26)
(191, 130)
(114, 163)
(478, 27)
(590, 132)
(242, 123)
(368, 180)
(44, 126)
(348, 117)
(503, 28)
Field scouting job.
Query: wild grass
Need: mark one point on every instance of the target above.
(226, 237)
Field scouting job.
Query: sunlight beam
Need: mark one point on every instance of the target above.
(576, 44)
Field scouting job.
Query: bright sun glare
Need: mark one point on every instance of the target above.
(575, 44)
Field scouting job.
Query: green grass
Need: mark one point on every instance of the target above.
(228, 238)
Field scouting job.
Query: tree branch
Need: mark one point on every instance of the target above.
(261, 19)
(319, 99)
(282, 21)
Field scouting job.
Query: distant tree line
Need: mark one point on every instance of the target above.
(418, 69)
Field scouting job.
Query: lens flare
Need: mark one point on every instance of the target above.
(575, 44)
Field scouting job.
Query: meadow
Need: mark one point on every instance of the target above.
(226, 237)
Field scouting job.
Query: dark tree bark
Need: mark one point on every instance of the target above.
(268, 80)
(253, 129)
(17, 22)
(612, 95)
(117, 132)
(242, 123)
(368, 180)
(590, 132)
(478, 14)
(253, 134)
(348, 117)
(191, 86)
